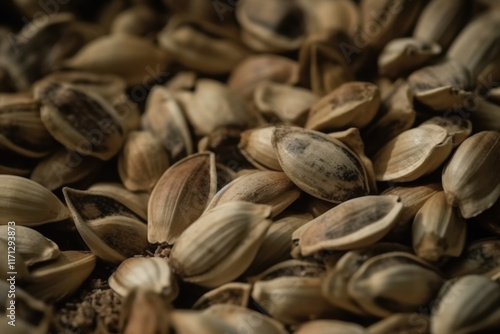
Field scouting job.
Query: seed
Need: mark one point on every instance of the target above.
(320, 165)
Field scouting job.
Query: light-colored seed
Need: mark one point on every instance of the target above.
(180, 197)
(233, 293)
(439, 230)
(468, 305)
(28, 203)
(412, 154)
(356, 223)
(221, 244)
(148, 274)
(320, 165)
(470, 180)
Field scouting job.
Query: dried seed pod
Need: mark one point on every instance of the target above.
(378, 283)
(253, 70)
(164, 119)
(397, 115)
(214, 106)
(402, 55)
(82, 121)
(409, 323)
(384, 20)
(40, 48)
(330, 327)
(180, 197)
(108, 86)
(263, 187)
(412, 154)
(31, 245)
(255, 145)
(469, 305)
(111, 230)
(246, 320)
(479, 258)
(324, 67)
(136, 202)
(201, 45)
(334, 285)
(289, 103)
(320, 165)
(151, 274)
(59, 279)
(441, 86)
(233, 293)
(114, 54)
(271, 26)
(28, 203)
(277, 242)
(353, 104)
(438, 230)
(468, 179)
(221, 244)
(142, 161)
(64, 167)
(458, 128)
(441, 21)
(355, 223)
(291, 292)
(477, 44)
(412, 197)
(21, 128)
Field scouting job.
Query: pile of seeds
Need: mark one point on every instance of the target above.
(252, 166)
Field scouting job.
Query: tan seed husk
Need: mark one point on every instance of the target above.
(353, 104)
(142, 161)
(379, 283)
(255, 69)
(403, 55)
(148, 274)
(469, 179)
(180, 197)
(59, 279)
(164, 118)
(63, 168)
(469, 305)
(356, 223)
(95, 130)
(441, 21)
(255, 145)
(221, 244)
(412, 154)
(114, 54)
(320, 165)
(28, 203)
(439, 230)
(262, 187)
(31, 245)
(111, 230)
(441, 86)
